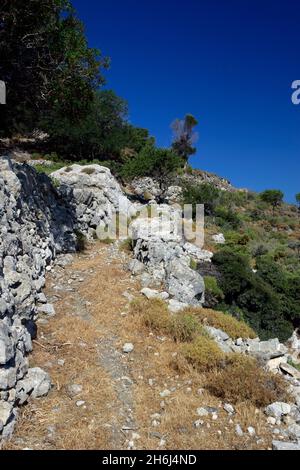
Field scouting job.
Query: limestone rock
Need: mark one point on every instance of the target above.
(175, 306)
(278, 409)
(36, 384)
(280, 445)
(5, 412)
(290, 370)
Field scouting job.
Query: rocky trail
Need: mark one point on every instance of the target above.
(96, 376)
(104, 398)
(90, 405)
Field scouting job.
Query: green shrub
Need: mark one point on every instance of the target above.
(227, 218)
(49, 169)
(193, 264)
(206, 194)
(213, 292)
(158, 163)
(263, 307)
(273, 197)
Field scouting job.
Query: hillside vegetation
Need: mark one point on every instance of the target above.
(258, 266)
(62, 95)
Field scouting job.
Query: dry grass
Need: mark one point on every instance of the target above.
(203, 353)
(76, 339)
(156, 316)
(233, 327)
(243, 380)
(88, 171)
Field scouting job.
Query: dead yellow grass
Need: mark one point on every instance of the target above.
(75, 339)
(233, 327)
(243, 380)
(156, 316)
(203, 353)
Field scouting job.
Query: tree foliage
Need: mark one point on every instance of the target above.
(266, 298)
(273, 197)
(184, 136)
(46, 63)
(158, 163)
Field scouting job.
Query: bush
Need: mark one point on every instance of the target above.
(273, 197)
(193, 264)
(49, 169)
(185, 327)
(227, 218)
(233, 327)
(203, 354)
(243, 380)
(263, 308)
(213, 292)
(158, 163)
(156, 316)
(206, 194)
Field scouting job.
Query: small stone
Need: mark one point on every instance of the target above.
(202, 411)
(229, 408)
(214, 416)
(46, 309)
(238, 430)
(198, 423)
(61, 362)
(74, 389)
(165, 393)
(80, 403)
(162, 443)
(41, 298)
(271, 420)
(128, 348)
(251, 431)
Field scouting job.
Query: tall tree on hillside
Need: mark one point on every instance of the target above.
(184, 136)
(273, 197)
(45, 62)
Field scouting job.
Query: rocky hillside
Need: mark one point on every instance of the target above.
(39, 221)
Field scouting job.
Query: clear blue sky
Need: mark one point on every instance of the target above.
(229, 62)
